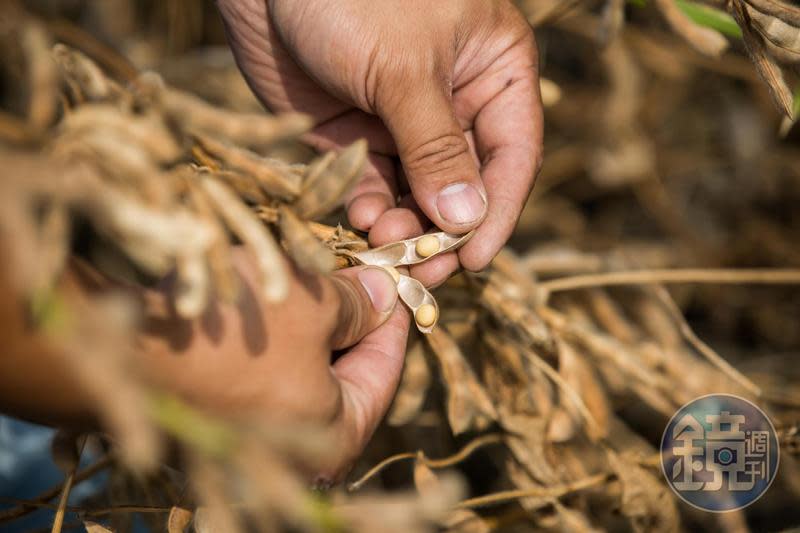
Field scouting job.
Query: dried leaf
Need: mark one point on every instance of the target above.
(646, 501)
(767, 68)
(84, 74)
(179, 519)
(301, 243)
(580, 376)
(245, 129)
(94, 527)
(249, 229)
(457, 521)
(273, 176)
(413, 386)
(468, 404)
(777, 32)
(323, 191)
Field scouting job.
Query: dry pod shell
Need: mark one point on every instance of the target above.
(420, 301)
(393, 271)
(407, 252)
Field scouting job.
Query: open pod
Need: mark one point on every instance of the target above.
(412, 251)
(421, 302)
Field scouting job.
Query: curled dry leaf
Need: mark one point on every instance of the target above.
(301, 243)
(646, 501)
(777, 31)
(468, 403)
(192, 287)
(151, 237)
(179, 519)
(429, 485)
(249, 229)
(413, 386)
(42, 75)
(777, 8)
(766, 66)
(195, 114)
(323, 190)
(94, 527)
(276, 178)
(526, 440)
(83, 75)
(580, 376)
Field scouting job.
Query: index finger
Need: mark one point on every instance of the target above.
(508, 138)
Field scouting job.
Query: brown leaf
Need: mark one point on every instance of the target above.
(307, 251)
(646, 501)
(179, 519)
(767, 68)
(273, 176)
(323, 191)
(94, 527)
(468, 404)
(581, 377)
(242, 221)
(413, 386)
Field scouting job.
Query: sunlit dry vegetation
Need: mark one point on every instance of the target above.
(657, 261)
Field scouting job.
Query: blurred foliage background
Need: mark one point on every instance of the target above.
(671, 159)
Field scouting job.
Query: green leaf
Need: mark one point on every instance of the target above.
(710, 17)
(193, 427)
(704, 15)
(796, 102)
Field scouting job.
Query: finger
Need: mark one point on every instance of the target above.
(435, 271)
(408, 221)
(376, 191)
(364, 299)
(508, 137)
(403, 222)
(373, 195)
(348, 127)
(369, 375)
(436, 157)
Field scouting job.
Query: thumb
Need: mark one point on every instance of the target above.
(366, 297)
(436, 157)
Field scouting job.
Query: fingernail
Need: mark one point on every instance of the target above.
(380, 287)
(460, 203)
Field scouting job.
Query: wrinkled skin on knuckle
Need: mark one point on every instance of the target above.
(437, 157)
(348, 310)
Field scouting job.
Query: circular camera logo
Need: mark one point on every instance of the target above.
(719, 453)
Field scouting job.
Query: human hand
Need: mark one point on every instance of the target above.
(449, 87)
(274, 361)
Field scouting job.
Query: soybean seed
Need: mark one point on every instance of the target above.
(426, 315)
(427, 246)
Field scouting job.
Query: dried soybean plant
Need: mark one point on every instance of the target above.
(548, 378)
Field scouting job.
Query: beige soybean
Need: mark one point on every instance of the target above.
(427, 246)
(426, 315)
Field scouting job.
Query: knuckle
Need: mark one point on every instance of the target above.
(349, 311)
(438, 155)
